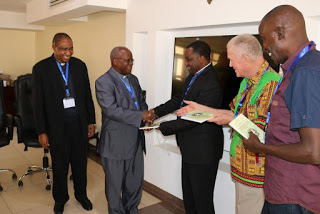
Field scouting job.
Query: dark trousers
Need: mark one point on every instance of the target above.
(269, 208)
(123, 183)
(72, 149)
(198, 182)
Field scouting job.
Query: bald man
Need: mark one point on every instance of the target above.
(292, 179)
(121, 147)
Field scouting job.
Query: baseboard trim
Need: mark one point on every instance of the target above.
(166, 198)
(163, 195)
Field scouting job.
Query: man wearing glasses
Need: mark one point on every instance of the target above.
(121, 147)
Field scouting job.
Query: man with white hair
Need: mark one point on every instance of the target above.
(253, 101)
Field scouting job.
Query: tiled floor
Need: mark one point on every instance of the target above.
(33, 198)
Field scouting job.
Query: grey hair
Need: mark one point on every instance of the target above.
(246, 44)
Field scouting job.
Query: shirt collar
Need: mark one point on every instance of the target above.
(256, 78)
(287, 64)
(202, 68)
(122, 76)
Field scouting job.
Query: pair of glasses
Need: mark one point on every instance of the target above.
(127, 60)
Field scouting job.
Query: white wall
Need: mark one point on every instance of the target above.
(151, 29)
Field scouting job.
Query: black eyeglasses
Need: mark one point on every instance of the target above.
(126, 60)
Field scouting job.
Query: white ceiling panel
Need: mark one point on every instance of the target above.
(13, 5)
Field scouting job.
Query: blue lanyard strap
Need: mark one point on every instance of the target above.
(130, 91)
(65, 77)
(300, 55)
(195, 76)
(242, 99)
(244, 96)
(274, 92)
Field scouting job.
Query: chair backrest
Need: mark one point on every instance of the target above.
(23, 96)
(2, 109)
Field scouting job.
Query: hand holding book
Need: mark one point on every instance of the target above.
(244, 126)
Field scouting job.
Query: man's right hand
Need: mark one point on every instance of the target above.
(44, 140)
(149, 116)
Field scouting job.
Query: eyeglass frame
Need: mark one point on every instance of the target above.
(126, 60)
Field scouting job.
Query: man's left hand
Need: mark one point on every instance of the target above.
(253, 143)
(91, 130)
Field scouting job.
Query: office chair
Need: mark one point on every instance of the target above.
(25, 126)
(6, 122)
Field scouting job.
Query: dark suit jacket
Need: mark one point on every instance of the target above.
(120, 134)
(199, 143)
(48, 92)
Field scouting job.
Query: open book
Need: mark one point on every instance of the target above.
(197, 116)
(243, 126)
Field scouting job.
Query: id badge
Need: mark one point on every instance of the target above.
(69, 102)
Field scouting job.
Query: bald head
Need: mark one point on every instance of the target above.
(283, 32)
(121, 60)
(285, 16)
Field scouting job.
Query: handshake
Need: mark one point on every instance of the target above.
(149, 116)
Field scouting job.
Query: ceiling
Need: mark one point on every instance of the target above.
(13, 5)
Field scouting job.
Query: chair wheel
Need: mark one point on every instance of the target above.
(1, 188)
(48, 187)
(20, 183)
(14, 176)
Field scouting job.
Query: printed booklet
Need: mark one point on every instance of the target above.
(197, 116)
(243, 125)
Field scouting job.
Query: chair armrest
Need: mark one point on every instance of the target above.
(18, 123)
(9, 123)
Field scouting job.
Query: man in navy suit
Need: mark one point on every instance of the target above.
(201, 145)
(124, 110)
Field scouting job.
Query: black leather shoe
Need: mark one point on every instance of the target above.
(86, 204)
(58, 207)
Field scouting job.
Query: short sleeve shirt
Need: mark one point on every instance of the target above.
(303, 93)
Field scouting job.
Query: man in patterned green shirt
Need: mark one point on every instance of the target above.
(253, 101)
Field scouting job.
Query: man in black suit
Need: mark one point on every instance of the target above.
(64, 118)
(201, 145)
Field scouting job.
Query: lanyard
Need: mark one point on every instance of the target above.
(130, 91)
(244, 96)
(195, 76)
(274, 92)
(301, 54)
(65, 77)
(242, 100)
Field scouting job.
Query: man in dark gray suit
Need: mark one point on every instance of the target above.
(124, 110)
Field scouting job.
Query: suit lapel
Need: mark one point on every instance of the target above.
(135, 89)
(75, 79)
(196, 82)
(120, 84)
(55, 75)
